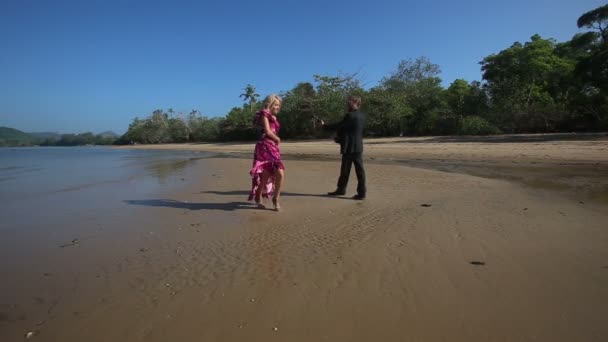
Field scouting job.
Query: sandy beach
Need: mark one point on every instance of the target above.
(460, 239)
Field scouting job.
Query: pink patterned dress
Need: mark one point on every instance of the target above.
(266, 156)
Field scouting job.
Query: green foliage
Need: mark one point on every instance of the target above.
(81, 139)
(535, 86)
(474, 125)
(160, 128)
(416, 84)
(528, 79)
(388, 112)
(331, 94)
(14, 137)
(238, 125)
(588, 105)
(250, 95)
(596, 19)
(299, 107)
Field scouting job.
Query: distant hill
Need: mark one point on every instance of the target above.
(108, 134)
(45, 135)
(14, 137)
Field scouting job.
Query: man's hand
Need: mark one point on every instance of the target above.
(318, 119)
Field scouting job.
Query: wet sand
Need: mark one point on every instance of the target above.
(473, 254)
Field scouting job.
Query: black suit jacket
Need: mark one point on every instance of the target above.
(350, 132)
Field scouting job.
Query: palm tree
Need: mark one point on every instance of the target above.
(250, 95)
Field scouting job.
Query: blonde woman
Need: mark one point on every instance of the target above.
(268, 171)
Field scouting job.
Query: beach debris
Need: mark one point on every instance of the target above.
(252, 300)
(275, 329)
(143, 249)
(29, 334)
(426, 205)
(73, 243)
(477, 263)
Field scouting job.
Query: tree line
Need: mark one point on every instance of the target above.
(13, 137)
(538, 86)
(81, 139)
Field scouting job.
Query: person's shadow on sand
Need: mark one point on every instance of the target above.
(229, 206)
(283, 193)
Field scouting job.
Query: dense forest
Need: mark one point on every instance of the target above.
(538, 86)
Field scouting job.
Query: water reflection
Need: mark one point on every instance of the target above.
(168, 170)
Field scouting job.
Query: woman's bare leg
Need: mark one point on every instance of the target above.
(278, 185)
(258, 195)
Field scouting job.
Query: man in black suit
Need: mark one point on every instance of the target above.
(350, 137)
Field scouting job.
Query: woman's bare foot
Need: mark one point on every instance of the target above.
(258, 203)
(276, 204)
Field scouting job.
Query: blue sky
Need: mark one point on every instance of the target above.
(77, 66)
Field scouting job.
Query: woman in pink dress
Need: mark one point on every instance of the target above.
(268, 171)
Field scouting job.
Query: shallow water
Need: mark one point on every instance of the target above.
(47, 192)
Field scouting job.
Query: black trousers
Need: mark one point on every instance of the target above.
(348, 159)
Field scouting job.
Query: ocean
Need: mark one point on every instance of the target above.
(46, 188)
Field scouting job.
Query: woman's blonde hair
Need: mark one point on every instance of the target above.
(271, 99)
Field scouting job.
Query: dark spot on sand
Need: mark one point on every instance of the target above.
(143, 249)
(525, 209)
(477, 263)
(426, 205)
(39, 300)
(581, 202)
(73, 243)
(47, 274)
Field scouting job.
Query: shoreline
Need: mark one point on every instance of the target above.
(572, 164)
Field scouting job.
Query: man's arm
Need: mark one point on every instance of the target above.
(335, 126)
